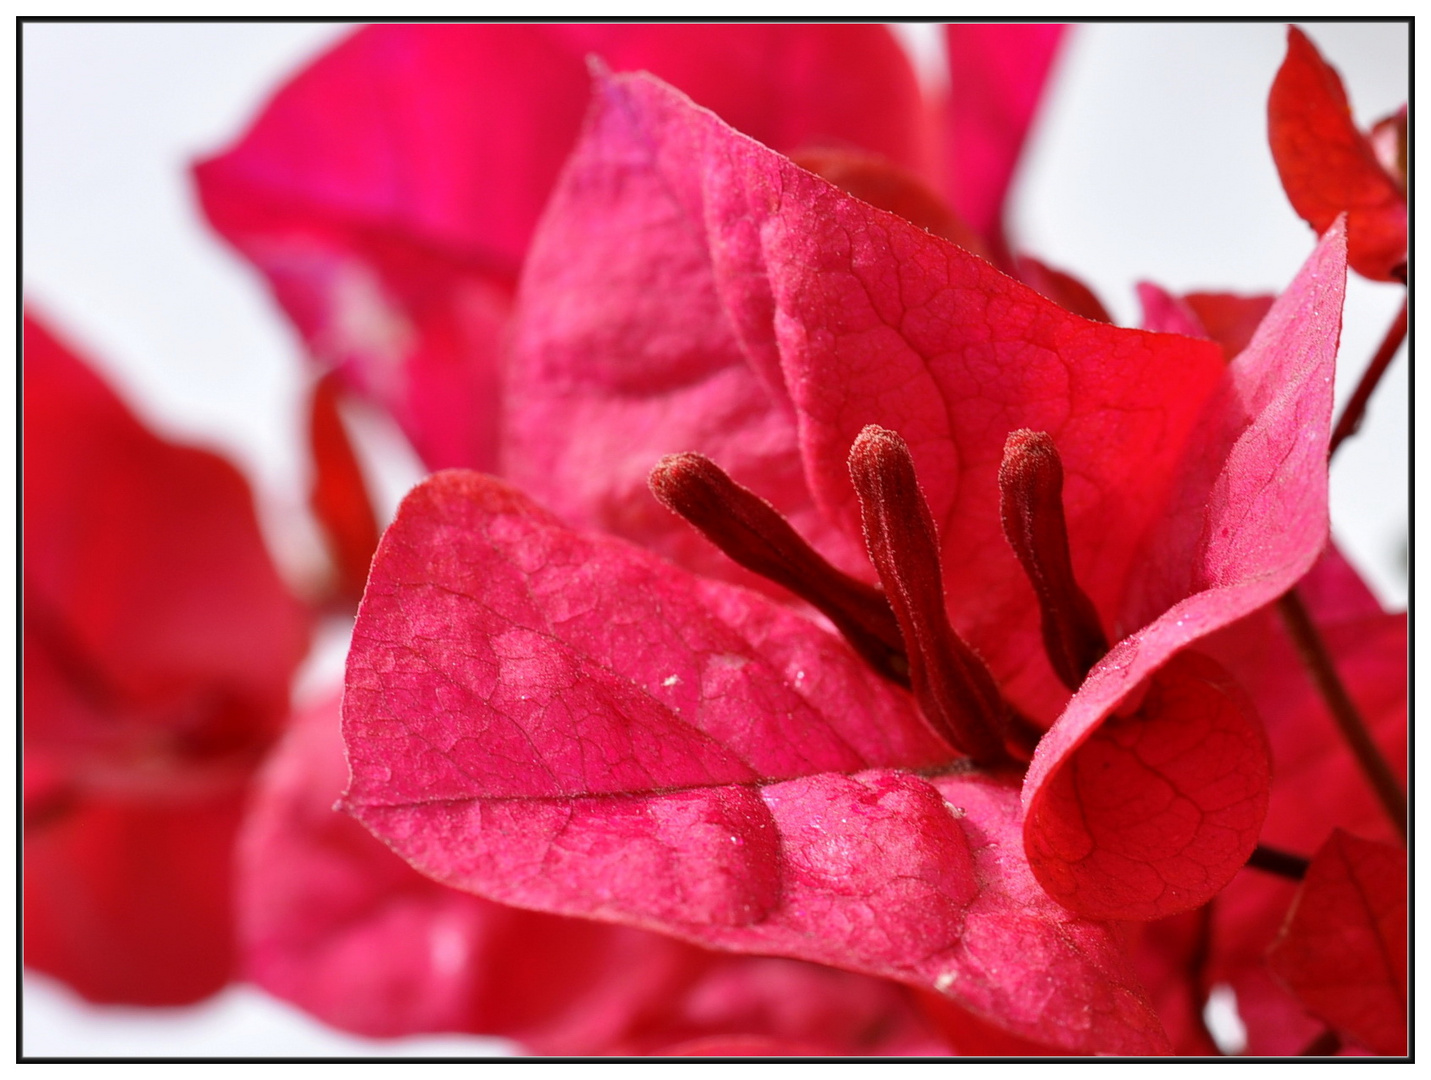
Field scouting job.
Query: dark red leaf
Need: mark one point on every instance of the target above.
(1343, 950)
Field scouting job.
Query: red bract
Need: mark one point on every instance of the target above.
(1328, 167)
(334, 922)
(566, 723)
(159, 642)
(1343, 950)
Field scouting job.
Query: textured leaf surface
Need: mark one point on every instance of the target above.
(565, 723)
(1343, 950)
(388, 193)
(1249, 520)
(1328, 167)
(334, 922)
(1159, 808)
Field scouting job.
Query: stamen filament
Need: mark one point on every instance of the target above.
(754, 534)
(954, 689)
(1031, 483)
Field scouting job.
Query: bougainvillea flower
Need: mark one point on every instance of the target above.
(334, 922)
(1329, 167)
(690, 290)
(1343, 950)
(388, 193)
(158, 646)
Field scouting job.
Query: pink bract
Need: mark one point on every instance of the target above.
(334, 922)
(996, 75)
(1248, 522)
(566, 723)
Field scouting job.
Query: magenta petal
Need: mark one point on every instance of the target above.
(996, 77)
(1154, 812)
(624, 343)
(562, 722)
(1249, 520)
(159, 641)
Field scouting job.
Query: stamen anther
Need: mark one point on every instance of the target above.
(954, 689)
(754, 534)
(1031, 482)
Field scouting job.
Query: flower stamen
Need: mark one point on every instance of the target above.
(1031, 483)
(754, 534)
(954, 689)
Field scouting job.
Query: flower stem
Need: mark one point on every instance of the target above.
(1351, 417)
(1318, 661)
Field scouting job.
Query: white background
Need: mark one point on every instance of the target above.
(1149, 163)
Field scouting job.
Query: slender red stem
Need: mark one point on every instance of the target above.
(1318, 661)
(1351, 417)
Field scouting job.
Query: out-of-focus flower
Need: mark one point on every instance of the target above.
(389, 192)
(158, 646)
(1328, 167)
